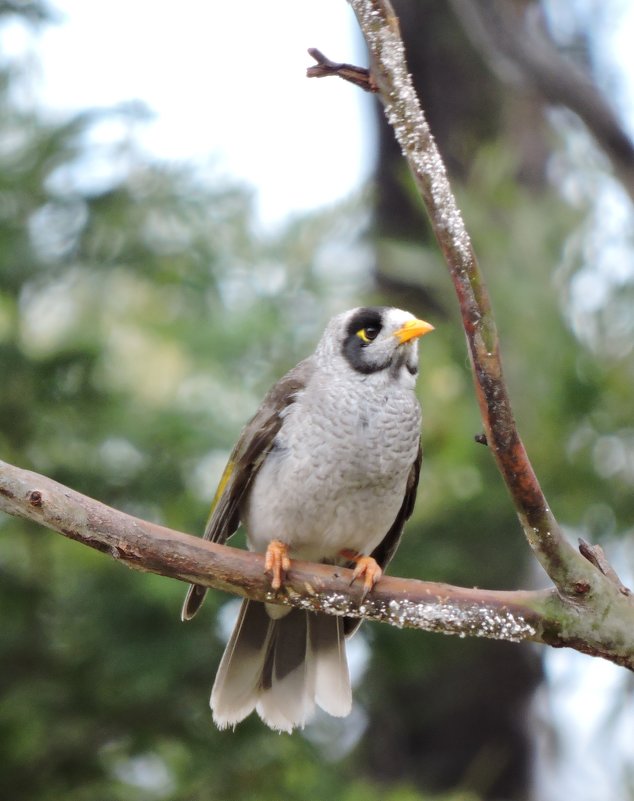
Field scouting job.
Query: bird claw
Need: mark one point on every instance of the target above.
(277, 562)
(365, 566)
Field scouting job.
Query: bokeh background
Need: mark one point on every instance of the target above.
(155, 280)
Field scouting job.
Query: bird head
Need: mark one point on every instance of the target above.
(376, 339)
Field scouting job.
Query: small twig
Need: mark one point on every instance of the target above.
(481, 439)
(359, 76)
(596, 556)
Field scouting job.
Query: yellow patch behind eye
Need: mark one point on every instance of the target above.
(363, 336)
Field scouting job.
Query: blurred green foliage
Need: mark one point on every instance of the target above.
(141, 319)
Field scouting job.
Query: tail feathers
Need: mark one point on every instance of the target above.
(282, 668)
(237, 685)
(287, 696)
(332, 678)
(193, 601)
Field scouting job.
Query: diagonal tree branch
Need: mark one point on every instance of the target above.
(565, 566)
(539, 616)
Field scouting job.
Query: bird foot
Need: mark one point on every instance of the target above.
(277, 562)
(365, 566)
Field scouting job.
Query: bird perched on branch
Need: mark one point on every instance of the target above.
(325, 471)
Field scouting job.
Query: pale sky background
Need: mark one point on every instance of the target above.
(225, 80)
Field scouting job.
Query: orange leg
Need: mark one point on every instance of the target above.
(277, 562)
(365, 566)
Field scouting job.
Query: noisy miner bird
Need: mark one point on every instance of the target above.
(325, 471)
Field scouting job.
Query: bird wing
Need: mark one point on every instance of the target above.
(249, 453)
(245, 460)
(386, 549)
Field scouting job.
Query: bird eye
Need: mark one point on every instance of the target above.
(368, 333)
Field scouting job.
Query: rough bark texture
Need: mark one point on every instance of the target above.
(540, 616)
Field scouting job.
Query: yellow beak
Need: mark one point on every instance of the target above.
(413, 329)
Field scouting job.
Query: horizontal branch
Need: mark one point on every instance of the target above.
(540, 616)
(149, 547)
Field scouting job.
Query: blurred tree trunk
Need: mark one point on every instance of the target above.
(466, 106)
